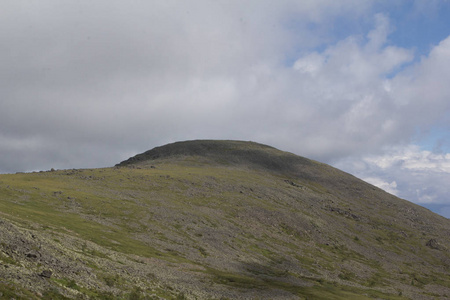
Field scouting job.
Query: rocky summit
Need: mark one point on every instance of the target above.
(216, 220)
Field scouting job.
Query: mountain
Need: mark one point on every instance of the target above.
(216, 220)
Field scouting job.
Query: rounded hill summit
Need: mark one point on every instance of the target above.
(223, 152)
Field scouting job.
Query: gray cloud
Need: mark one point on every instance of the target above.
(89, 84)
(81, 77)
(408, 172)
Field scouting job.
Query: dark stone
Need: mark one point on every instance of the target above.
(31, 255)
(293, 183)
(346, 213)
(433, 244)
(46, 274)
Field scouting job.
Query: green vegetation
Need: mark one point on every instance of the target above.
(319, 290)
(7, 260)
(12, 291)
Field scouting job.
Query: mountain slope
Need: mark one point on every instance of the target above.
(216, 219)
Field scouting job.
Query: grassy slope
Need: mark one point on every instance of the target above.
(195, 226)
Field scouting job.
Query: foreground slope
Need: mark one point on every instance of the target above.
(216, 219)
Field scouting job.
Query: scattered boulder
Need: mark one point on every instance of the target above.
(346, 213)
(293, 183)
(31, 255)
(46, 274)
(433, 244)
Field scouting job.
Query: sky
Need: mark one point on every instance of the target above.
(362, 85)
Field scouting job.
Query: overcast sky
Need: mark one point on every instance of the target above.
(362, 85)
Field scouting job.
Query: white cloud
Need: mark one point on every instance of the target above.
(378, 36)
(310, 64)
(414, 174)
(413, 159)
(378, 182)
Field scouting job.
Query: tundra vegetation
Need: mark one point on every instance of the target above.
(216, 220)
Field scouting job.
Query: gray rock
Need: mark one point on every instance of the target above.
(46, 274)
(433, 244)
(31, 255)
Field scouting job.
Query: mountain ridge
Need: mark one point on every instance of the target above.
(216, 220)
(235, 153)
(245, 154)
(223, 151)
